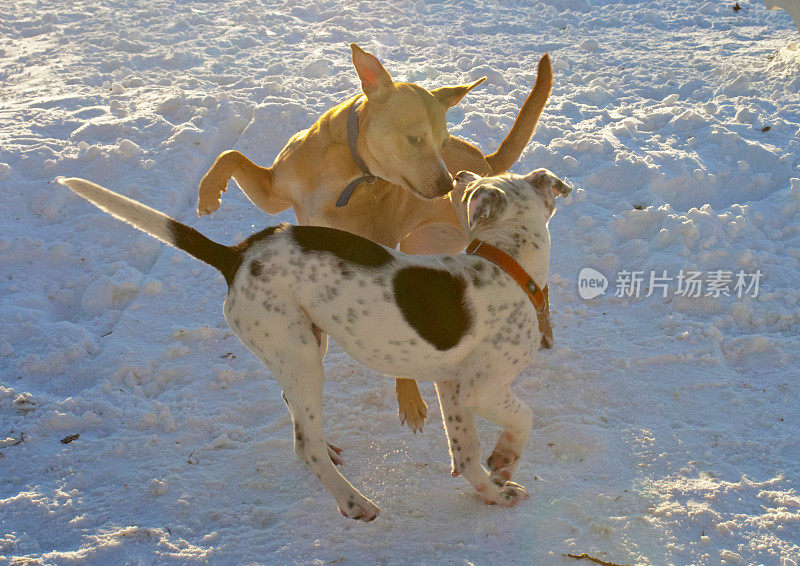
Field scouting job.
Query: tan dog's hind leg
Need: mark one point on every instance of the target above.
(254, 180)
(410, 406)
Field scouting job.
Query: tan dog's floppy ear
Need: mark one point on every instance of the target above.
(544, 180)
(375, 81)
(449, 96)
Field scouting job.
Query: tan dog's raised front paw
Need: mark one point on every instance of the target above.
(209, 192)
(411, 409)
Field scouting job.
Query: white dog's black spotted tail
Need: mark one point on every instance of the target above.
(159, 225)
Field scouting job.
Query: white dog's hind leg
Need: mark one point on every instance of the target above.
(334, 452)
(302, 386)
(465, 449)
(293, 352)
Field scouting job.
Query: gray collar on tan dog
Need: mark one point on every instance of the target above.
(352, 142)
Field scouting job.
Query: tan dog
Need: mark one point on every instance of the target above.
(401, 138)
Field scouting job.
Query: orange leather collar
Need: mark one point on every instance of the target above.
(508, 264)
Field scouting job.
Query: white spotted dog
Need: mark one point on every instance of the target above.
(466, 322)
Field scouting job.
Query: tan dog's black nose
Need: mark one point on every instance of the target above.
(444, 185)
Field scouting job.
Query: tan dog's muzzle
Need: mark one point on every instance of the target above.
(444, 185)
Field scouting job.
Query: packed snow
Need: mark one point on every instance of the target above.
(135, 428)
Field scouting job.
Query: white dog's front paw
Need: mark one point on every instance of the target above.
(512, 494)
(505, 495)
(359, 508)
(501, 465)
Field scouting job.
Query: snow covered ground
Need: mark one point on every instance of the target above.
(666, 430)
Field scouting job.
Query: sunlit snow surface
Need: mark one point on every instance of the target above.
(666, 431)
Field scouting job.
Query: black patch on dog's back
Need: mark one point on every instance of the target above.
(344, 245)
(432, 302)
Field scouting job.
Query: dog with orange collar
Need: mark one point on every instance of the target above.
(466, 322)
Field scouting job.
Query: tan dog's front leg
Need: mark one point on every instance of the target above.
(410, 407)
(254, 180)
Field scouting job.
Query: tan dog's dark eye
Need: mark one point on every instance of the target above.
(414, 140)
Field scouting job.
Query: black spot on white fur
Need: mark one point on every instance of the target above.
(347, 247)
(432, 302)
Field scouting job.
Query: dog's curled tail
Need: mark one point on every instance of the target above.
(158, 225)
(511, 147)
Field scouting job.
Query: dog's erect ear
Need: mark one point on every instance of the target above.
(464, 178)
(449, 96)
(375, 81)
(543, 180)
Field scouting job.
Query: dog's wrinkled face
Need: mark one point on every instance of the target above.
(405, 128)
(483, 203)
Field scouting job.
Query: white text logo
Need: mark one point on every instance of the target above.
(591, 283)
